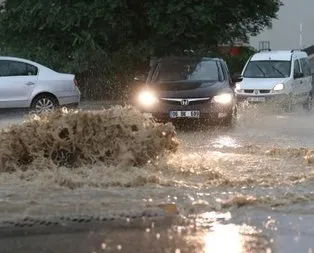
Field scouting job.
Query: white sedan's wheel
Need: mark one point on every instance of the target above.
(44, 104)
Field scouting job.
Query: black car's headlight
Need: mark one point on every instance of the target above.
(224, 98)
(147, 98)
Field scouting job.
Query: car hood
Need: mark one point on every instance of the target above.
(261, 83)
(187, 89)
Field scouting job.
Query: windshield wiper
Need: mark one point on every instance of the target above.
(260, 69)
(282, 74)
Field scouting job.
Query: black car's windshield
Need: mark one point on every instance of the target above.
(267, 69)
(186, 70)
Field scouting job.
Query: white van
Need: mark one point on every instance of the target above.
(280, 76)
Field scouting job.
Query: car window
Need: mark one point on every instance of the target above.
(186, 70)
(223, 71)
(267, 69)
(226, 68)
(296, 69)
(4, 68)
(15, 68)
(306, 70)
(32, 70)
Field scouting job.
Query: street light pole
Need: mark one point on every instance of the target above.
(301, 35)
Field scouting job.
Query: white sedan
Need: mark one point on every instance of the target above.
(27, 84)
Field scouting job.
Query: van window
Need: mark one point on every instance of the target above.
(306, 70)
(267, 69)
(311, 62)
(296, 70)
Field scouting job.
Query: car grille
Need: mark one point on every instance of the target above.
(178, 102)
(248, 91)
(259, 91)
(264, 91)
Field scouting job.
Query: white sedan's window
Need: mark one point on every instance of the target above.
(32, 70)
(4, 68)
(18, 69)
(15, 68)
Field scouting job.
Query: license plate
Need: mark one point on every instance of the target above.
(184, 114)
(256, 99)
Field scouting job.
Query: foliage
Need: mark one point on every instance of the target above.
(105, 37)
(236, 63)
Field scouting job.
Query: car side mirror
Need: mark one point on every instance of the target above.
(237, 77)
(140, 78)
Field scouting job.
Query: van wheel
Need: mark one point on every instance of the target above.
(289, 105)
(308, 104)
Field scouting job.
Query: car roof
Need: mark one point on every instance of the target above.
(188, 58)
(280, 55)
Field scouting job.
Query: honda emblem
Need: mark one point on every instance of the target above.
(184, 102)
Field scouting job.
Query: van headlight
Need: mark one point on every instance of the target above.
(279, 87)
(238, 86)
(147, 98)
(225, 98)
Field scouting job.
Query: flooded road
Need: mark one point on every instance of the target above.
(250, 181)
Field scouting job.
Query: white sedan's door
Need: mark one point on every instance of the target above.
(17, 81)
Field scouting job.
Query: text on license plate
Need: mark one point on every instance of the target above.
(184, 114)
(256, 99)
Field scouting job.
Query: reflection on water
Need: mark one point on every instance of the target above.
(208, 219)
(230, 237)
(236, 239)
(225, 141)
(219, 239)
(223, 238)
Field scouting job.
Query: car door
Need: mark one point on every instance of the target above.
(297, 80)
(306, 82)
(17, 81)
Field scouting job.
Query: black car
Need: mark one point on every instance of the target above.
(189, 88)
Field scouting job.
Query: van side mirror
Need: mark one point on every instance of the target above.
(237, 77)
(298, 75)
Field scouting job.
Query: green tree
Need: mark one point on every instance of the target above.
(112, 38)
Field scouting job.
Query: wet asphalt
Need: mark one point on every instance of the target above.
(259, 227)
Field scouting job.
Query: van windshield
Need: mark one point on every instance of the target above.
(267, 69)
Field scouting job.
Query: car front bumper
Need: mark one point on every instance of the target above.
(206, 109)
(262, 99)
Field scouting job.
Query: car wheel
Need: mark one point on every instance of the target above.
(308, 104)
(44, 103)
(231, 119)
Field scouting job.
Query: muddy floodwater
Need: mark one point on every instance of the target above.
(252, 181)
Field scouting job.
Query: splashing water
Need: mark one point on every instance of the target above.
(120, 135)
